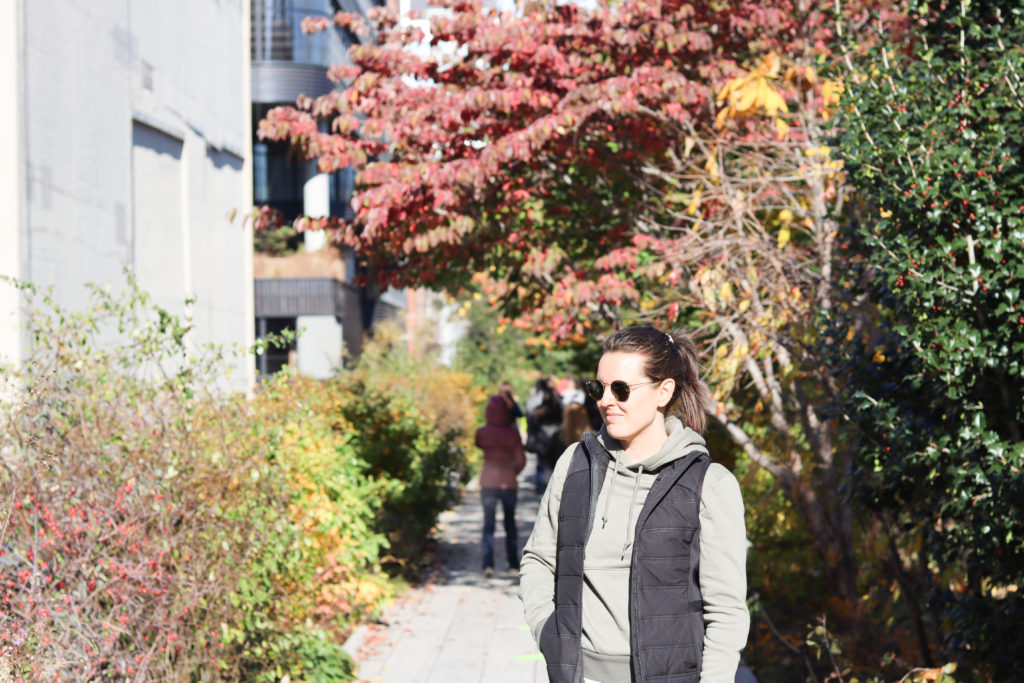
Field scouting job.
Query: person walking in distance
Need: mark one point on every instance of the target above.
(572, 393)
(504, 458)
(543, 420)
(636, 568)
(506, 390)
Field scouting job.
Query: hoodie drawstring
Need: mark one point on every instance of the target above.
(611, 490)
(629, 514)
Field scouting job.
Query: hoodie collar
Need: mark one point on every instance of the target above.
(681, 441)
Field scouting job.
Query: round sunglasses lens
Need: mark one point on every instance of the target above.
(620, 390)
(594, 389)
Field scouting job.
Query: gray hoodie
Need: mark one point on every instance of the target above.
(723, 548)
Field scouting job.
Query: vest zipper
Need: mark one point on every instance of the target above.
(577, 672)
(634, 619)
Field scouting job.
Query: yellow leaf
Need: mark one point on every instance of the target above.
(725, 291)
(785, 215)
(748, 96)
(781, 128)
(708, 296)
(722, 116)
(694, 203)
(770, 65)
(729, 88)
(830, 92)
(884, 214)
(711, 165)
(771, 100)
(783, 238)
(810, 74)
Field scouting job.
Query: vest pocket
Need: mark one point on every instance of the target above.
(668, 543)
(670, 571)
(670, 663)
(664, 602)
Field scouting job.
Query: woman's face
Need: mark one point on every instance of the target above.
(639, 416)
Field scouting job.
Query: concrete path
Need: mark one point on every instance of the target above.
(461, 627)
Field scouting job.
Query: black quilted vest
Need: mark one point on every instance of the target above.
(666, 619)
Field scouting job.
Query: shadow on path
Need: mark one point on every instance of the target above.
(458, 627)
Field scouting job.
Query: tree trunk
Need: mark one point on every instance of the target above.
(829, 525)
(832, 540)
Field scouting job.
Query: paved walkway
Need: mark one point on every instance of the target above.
(461, 627)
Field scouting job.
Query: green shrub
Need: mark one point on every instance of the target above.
(418, 463)
(159, 530)
(319, 549)
(447, 398)
(414, 419)
(933, 383)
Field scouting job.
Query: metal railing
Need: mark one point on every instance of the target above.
(277, 34)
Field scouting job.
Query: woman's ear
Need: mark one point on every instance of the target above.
(665, 391)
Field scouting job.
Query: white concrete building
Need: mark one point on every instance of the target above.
(125, 134)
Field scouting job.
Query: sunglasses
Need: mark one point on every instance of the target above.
(620, 390)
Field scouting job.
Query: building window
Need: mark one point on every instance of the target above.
(274, 358)
(260, 179)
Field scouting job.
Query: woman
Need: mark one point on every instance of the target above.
(506, 391)
(543, 420)
(575, 422)
(635, 571)
(504, 458)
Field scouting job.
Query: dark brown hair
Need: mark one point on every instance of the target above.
(670, 355)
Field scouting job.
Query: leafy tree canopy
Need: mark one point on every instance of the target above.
(531, 154)
(650, 161)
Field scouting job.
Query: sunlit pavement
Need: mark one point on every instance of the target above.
(461, 627)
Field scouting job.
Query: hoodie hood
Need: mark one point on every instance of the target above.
(497, 412)
(681, 441)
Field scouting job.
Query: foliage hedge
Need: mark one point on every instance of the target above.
(933, 381)
(415, 420)
(156, 528)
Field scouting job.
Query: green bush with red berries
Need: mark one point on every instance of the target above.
(934, 143)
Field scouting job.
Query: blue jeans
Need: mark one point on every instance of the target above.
(542, 476)
(490, 498)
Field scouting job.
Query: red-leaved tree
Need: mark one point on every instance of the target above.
(651, 160)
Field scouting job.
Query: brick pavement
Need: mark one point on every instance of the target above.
(461, 628)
